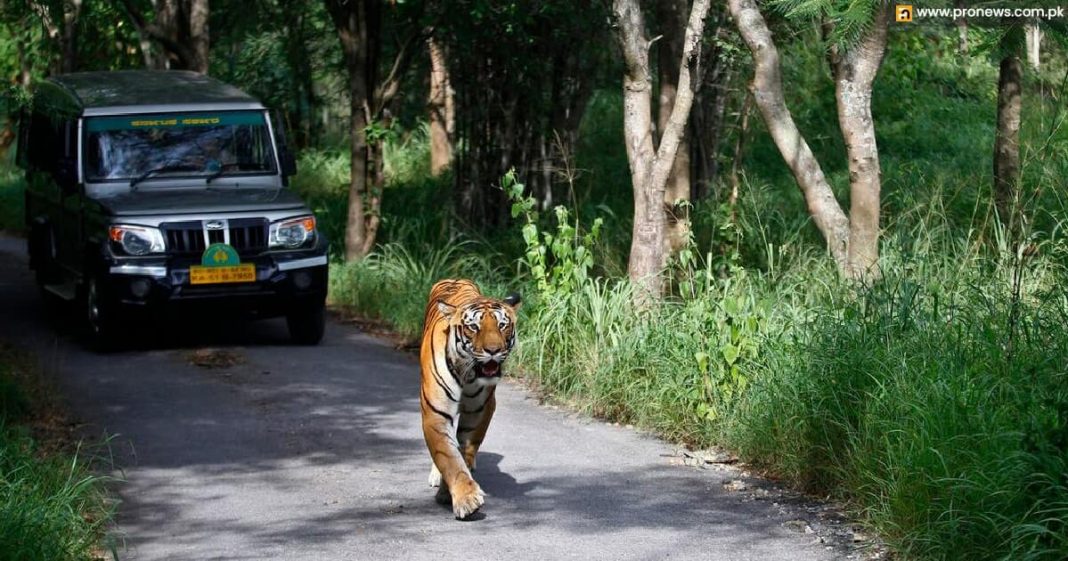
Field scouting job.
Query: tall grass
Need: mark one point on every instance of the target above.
(929, 403)
(52, 508)
(391, 284)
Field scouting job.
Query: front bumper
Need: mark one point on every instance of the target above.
(284, 280)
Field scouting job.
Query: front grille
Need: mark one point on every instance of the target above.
(247, 235)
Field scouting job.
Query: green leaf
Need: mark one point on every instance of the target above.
(730, 353)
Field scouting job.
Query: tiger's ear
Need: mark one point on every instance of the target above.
(513, 300)
(445, 310)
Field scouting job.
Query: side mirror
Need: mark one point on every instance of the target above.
(288, 161)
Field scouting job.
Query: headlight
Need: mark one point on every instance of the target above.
(292, 233)
(136, 240)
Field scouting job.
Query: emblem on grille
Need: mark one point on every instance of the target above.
(214, 225)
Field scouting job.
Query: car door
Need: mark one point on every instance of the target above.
(37, 155)
(72, 199)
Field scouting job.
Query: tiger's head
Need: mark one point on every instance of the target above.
(480, 337)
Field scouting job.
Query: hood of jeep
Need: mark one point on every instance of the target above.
(199, 201)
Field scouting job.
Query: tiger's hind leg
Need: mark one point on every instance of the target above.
(434, 479)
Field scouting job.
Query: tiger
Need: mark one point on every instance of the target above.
(466, 338)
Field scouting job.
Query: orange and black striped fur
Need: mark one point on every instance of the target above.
(466, 337)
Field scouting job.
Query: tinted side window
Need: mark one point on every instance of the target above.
(45, 144)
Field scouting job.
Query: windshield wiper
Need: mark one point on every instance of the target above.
(235, 166)
(215, 175)
(161, 169)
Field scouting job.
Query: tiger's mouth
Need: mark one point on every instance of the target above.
(490, 369)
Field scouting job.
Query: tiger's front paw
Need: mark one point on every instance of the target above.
(467, 502)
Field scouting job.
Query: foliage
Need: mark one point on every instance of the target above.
(51, 506)
(11, 201)
(558, 262)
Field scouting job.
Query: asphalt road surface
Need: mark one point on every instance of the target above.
(316, 453)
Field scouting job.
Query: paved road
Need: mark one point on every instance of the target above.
(316, 453)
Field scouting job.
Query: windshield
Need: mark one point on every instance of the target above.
(177, 145)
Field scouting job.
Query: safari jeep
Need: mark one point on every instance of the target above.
(166, 190)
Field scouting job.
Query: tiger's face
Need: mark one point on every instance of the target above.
(481, 336)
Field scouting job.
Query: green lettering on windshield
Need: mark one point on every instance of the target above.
(130, 122)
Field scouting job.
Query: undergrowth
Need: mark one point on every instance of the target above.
(52, 508)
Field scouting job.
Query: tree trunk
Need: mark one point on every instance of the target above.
(649, 165)
(709, 115)
(672, 18)
(359, 25)
(1033, 38)
(61, 30)
(962, 29)
(350, 18)
(199, 36)
(441, 108)
(739, 152)
(1007, 143)
(854, 73)
(854, 240)
(71, 11)
(767, 92)
(180, 27)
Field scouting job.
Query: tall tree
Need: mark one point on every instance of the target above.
(650, 164)
(1016, 36)
(359, 28)
(1033, 33)
(708, 127)
(441, 107)
(962, 28)
(852, 240)
(1007, 172)
(671, 16)
(180, 27)
(60, 21)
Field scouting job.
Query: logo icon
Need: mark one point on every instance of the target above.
(219, 255)
(215, 225)
(903, 13)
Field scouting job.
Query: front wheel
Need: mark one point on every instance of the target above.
(99, 317)
(307, 323)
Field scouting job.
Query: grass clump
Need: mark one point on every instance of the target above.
(52, 508)
(938, 413)
(392, 283)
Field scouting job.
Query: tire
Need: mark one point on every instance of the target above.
(307, 323)
(99, 315)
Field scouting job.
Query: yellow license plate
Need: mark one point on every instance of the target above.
(198, 274)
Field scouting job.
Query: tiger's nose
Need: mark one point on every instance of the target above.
(493, 349)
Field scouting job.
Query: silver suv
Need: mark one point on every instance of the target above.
(149, 190)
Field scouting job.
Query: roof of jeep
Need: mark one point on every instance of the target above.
(144, 91)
